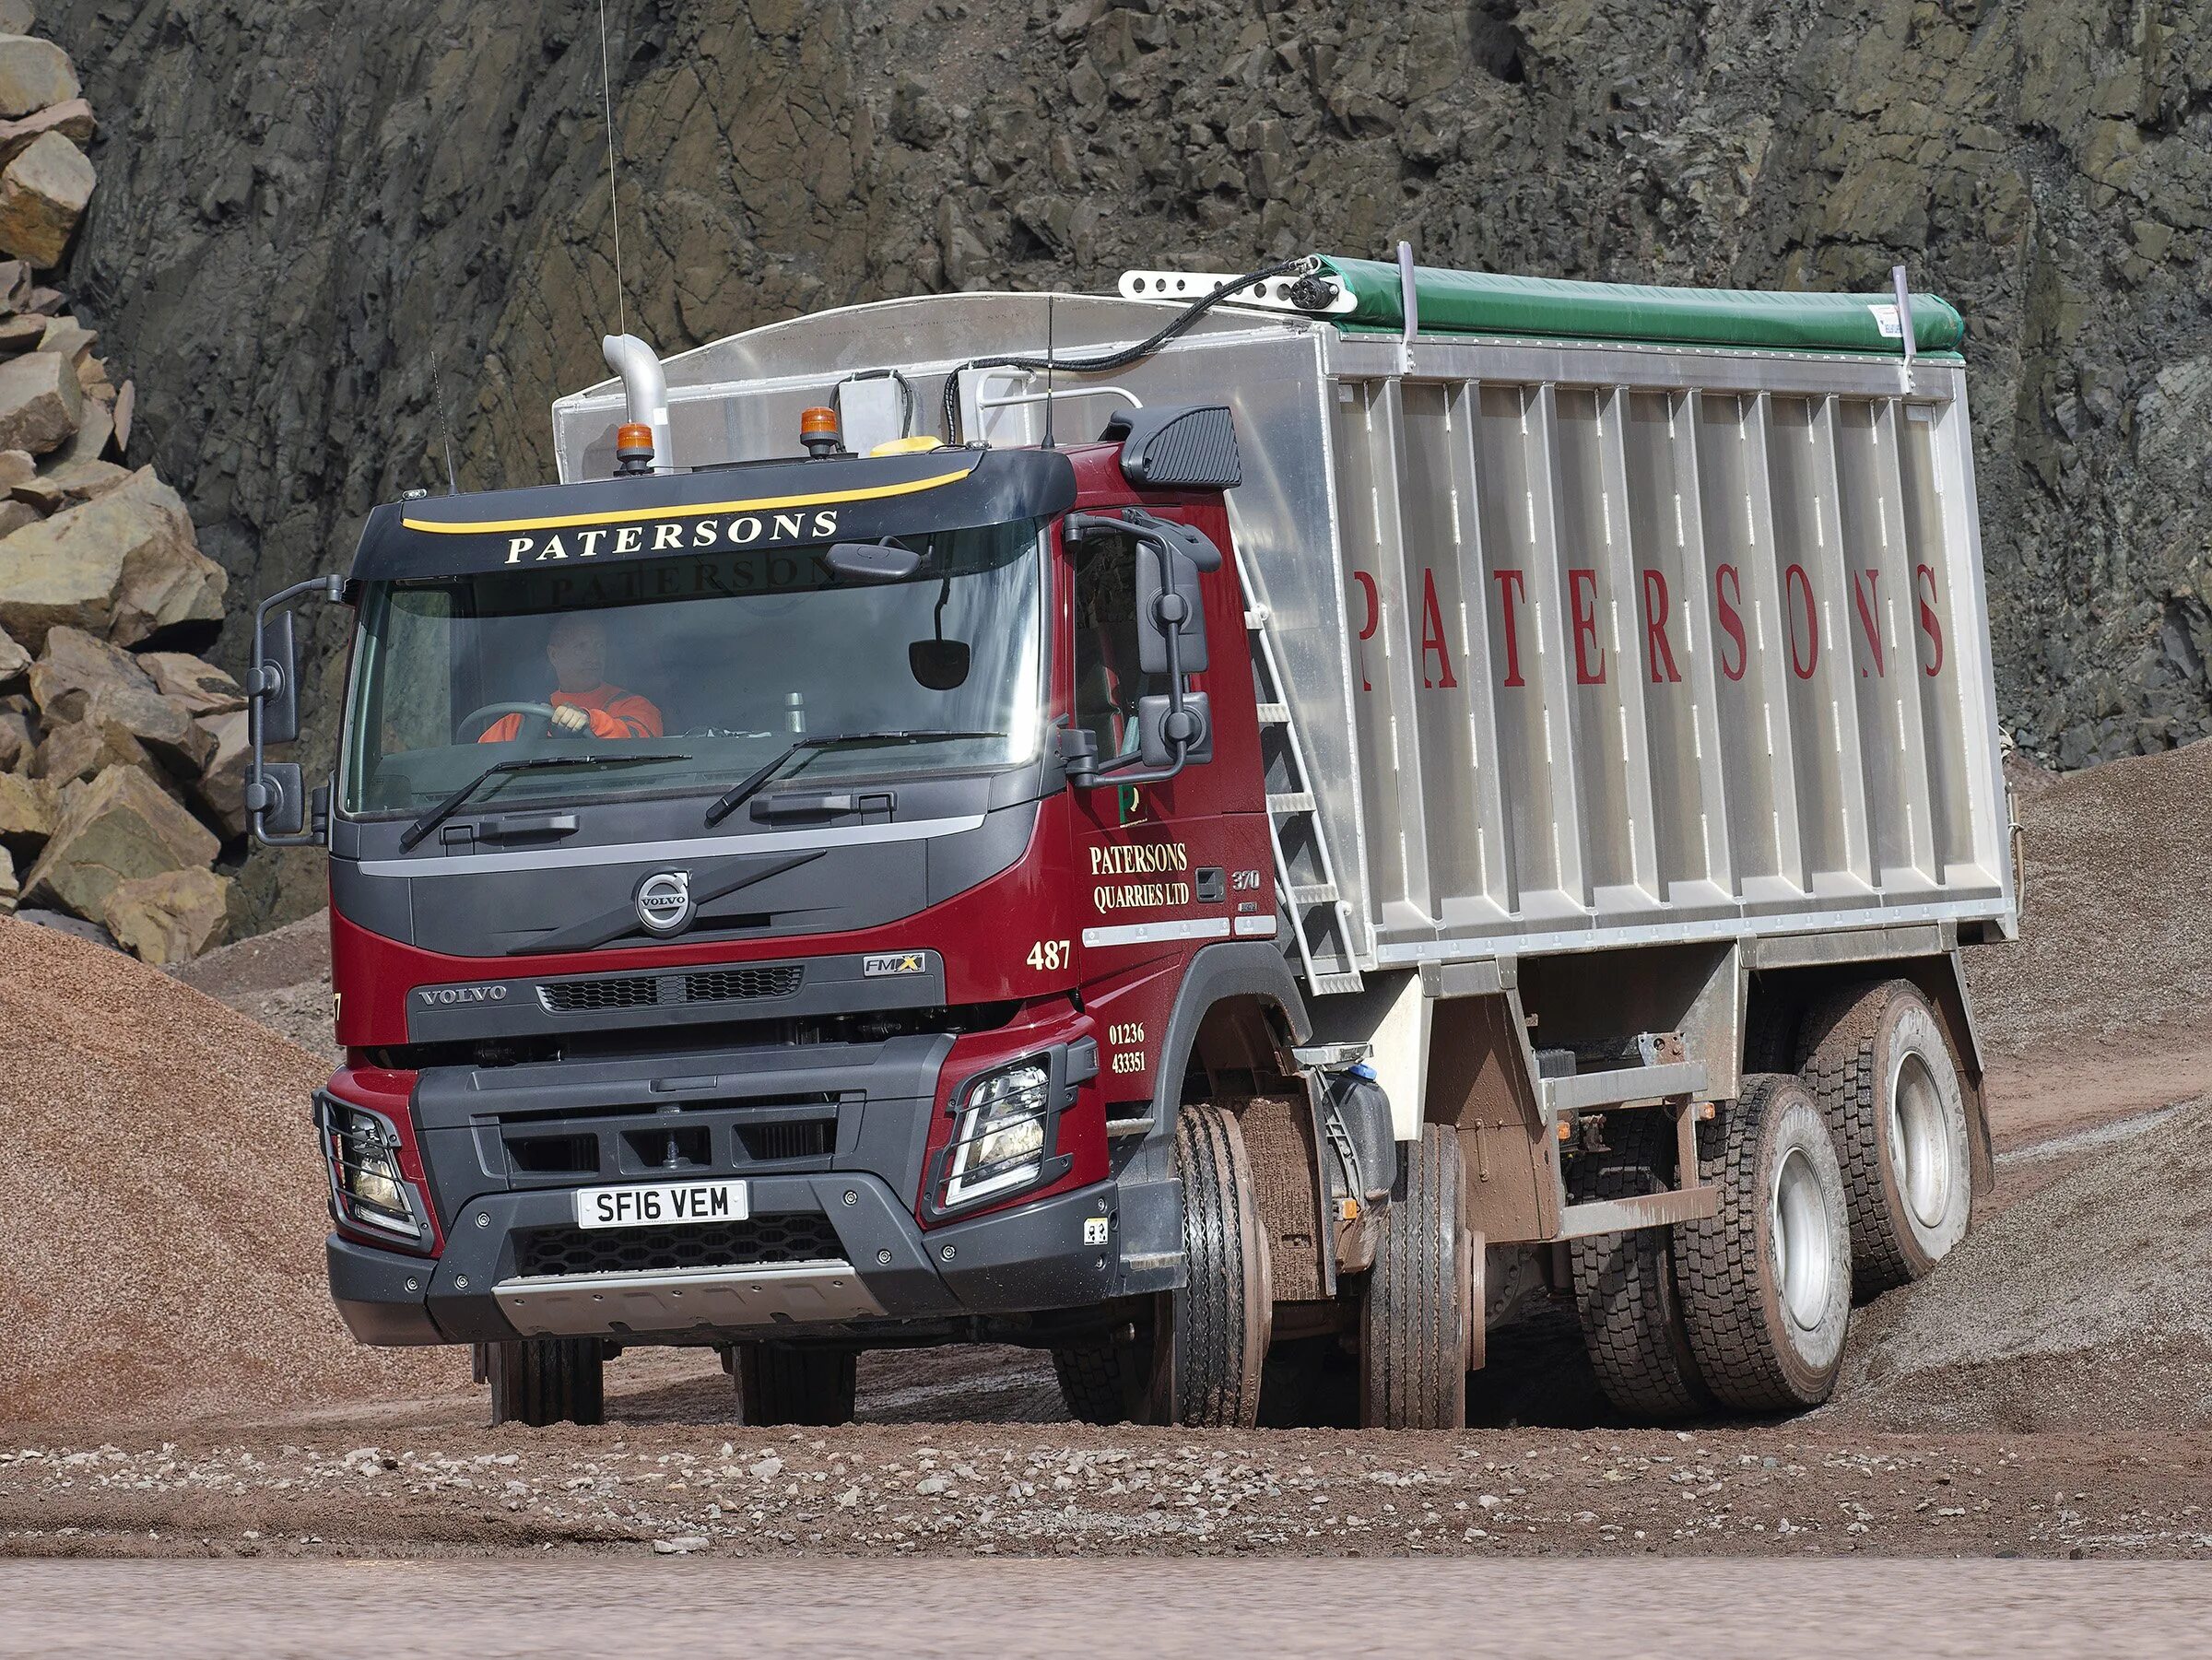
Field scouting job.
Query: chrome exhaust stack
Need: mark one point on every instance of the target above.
(645, 389)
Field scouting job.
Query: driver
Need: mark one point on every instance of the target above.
(581, 698)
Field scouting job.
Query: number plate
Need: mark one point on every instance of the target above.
(659, 1204)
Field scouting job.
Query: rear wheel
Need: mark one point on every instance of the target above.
(787, 1383)
(1413, 1326)
(1766, 1281)
(1624, 1283)
(1876, 1061)
(1222, 1319)
(541, 1381)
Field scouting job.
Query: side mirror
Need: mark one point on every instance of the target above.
(1169, 602)
(278, 800)
(938, 665)
(273, 680)
(871, 561)
(1174, 731)
(276, 808)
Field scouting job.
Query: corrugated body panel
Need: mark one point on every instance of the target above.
(1414, 535)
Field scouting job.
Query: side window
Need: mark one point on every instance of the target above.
(1108, 679)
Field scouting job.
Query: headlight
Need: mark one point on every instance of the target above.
(362, 1153)
(999, 1140)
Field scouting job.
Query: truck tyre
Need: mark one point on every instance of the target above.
(787, 1383)
(1224, 1315)
(1877, 1060)
(542, 1381)
(1766, 1281)
(1413, 1325)
(1624, 1283)
(1094, 1380)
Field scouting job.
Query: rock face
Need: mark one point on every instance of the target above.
(2045, 164)
(116, 830)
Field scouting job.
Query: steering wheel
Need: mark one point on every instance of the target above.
(492, 711)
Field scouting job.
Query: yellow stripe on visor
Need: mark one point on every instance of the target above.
(687, 510)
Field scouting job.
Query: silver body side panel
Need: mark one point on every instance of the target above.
(1590, 645)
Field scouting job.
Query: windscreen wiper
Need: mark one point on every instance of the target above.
(737, 794)
(445, 809)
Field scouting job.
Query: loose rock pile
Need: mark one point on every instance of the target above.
(122, 758)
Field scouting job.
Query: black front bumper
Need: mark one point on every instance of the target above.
(1034, 1258)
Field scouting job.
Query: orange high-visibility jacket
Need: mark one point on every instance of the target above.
(615, 713)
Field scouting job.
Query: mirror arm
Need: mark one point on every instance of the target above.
(1116, 772)
(262, 681)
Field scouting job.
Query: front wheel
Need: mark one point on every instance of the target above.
(1412, 1323)
(541, 1381)
(1221, 1321)
(788, 1384)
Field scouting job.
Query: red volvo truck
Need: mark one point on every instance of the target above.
(1305, 815)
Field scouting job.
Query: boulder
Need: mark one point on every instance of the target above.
(74, 665)
(198, 685)
(20, 334)
(10, 889)
(126, 406)
(42, 195)
(17, 16)
(125, 566)
(41, 401)
(222, 786)
(169, 918)
(27, 813)
(19, 740)
(15, 515)
(66, 337)
(69, 482)
(78, 750)
(165, 730)
(72, 119)
(34, 74)
(117, 828)
(15, 662)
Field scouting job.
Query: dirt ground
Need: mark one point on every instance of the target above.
(2045, 1392)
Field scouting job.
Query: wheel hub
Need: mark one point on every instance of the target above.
(1920, 1145)
(1804, 1245)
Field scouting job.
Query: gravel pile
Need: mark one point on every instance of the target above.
(2083, 1305)
(280, 978)
(2112, 936)
(164, 1204)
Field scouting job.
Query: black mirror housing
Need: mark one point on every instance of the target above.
(938, 665)
(277, 802)
(1159, 722)
(274, 682)
(1185, 618)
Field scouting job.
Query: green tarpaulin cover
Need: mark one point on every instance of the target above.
(1477, 302)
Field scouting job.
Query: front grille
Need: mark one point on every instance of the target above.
(727, 985)
(765, 1143)
(762, 1241)
(582, 996)
(651, 991)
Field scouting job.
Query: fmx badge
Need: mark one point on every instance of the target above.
(895, 963)
(664, 902)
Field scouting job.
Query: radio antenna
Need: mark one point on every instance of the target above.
(445, 431)
(1048, 368)
(614, 197)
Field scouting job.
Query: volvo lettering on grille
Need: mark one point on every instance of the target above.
(664, 902)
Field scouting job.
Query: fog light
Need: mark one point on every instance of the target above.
(361, 1151)
(998, 1144)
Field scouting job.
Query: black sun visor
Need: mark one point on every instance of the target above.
(727, 509)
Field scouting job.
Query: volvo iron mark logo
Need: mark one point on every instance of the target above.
(664, 902)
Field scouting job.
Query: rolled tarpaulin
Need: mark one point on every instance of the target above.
(1479, 302)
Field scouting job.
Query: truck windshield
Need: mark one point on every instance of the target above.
(702, 668)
